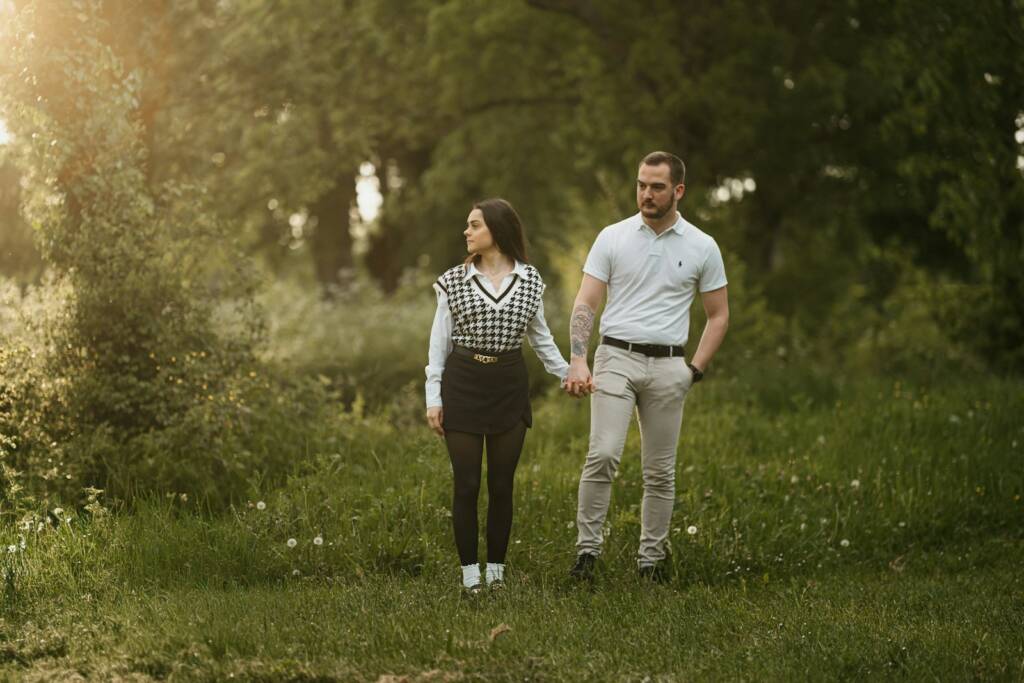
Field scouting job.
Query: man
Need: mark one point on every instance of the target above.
(650, 265)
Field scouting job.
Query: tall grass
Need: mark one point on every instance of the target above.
(871, 535)
(883, 473)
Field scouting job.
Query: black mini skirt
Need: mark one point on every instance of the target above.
(485, 397)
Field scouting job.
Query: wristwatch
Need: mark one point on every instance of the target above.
(697, 374)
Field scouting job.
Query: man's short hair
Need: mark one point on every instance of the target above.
(676, 167)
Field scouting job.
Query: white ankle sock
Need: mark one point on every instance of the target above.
(495, 572)
(470, 575)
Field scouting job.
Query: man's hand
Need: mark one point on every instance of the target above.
(435, 416)
(716, 307)
(579, 382)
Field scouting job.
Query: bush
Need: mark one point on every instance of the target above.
(361, 343)
(125, 381)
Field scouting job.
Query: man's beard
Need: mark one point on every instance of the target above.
(660, 211)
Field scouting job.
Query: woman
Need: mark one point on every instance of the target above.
(477, 385)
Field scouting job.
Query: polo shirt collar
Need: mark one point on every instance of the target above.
(678, 227)
(471, 270)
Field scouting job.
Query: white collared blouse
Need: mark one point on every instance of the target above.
(537, 332)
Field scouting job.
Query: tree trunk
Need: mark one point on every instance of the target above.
(386, 257)
(331, 241)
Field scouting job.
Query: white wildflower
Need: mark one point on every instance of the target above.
(855, 484)
(845, 543)
(794, 479)
(292, 543)
(261, 505)
(691, 530)
(318, 540)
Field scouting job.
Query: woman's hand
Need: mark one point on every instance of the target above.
(579, 382)
(435, 416)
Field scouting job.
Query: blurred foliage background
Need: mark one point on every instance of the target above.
(219, 219)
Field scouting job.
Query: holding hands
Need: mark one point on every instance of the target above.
(579, 382)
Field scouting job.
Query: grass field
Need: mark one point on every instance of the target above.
(873, 531)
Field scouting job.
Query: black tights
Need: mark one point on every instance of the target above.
(466, 453)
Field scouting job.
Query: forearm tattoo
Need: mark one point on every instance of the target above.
(579, 329)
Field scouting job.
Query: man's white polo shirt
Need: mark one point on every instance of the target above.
(652, 279)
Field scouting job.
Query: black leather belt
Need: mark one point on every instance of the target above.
(653, 350)
(487, 357)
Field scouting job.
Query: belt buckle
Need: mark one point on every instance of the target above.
(481, 358)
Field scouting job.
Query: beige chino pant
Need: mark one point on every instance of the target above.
(656, 389)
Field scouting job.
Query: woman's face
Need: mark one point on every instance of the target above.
(478, 237)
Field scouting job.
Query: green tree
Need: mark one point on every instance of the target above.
(19, 258)
(133, 367)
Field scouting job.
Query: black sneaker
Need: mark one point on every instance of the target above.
(655, 573)
(583, 570)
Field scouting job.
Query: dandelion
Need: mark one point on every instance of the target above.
(803, 526)
(691, 530)
(58, 511)
(261, 505)
(845, 543)
(292, 543)
(855, 484)
(318, 540)
(794, 479)
(295, 572)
